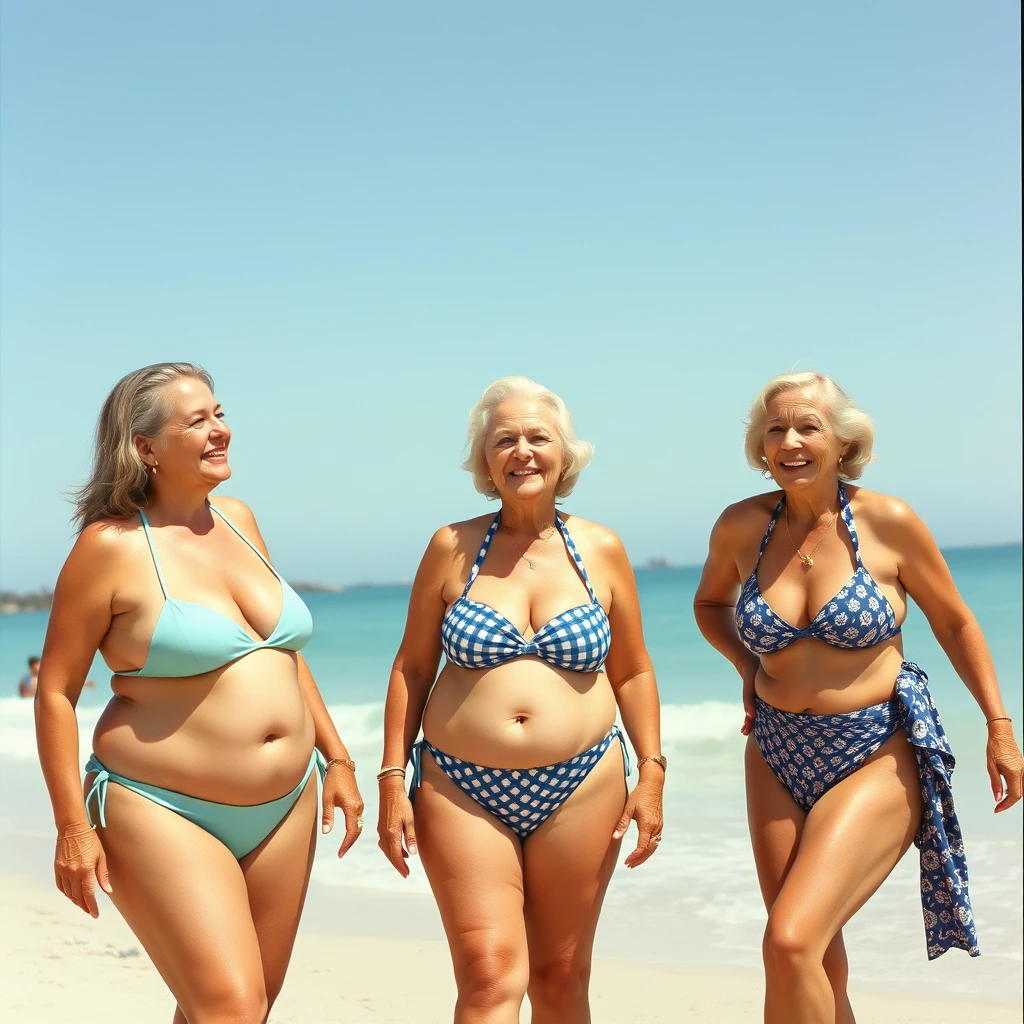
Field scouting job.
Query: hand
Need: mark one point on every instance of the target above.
(748, 673)
(395, 825)
(643, 805)
(1005, 764)
(340, 790)
(78, 864)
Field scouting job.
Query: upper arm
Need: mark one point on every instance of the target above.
(921, 568)
(81, 614)
(720, 580)
(627, 656)
(420, 650)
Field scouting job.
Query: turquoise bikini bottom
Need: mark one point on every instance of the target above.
(240, 827)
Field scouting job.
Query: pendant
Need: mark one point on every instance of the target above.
(808, 561)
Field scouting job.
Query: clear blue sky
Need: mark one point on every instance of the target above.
(357, 215)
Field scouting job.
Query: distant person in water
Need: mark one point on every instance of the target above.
(519, 783)
(27, 684)
(200, 806)
(805, 591)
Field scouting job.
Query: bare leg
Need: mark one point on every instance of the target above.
(568, 862)
(182, 893)
(852, 839)
(776, 824)
(474, 866)
(276, 876)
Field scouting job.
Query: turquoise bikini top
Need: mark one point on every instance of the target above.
(190, 638)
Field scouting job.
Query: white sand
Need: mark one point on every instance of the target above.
(58, 965)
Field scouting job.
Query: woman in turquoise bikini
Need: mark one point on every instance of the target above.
(200, 799)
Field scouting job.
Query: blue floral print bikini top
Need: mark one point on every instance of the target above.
(858, 616)
(475, 635)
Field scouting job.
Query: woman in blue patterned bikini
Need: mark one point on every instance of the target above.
(520, 802)
(847, 763)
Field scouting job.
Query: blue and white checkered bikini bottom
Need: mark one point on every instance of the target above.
(521, 798)
(809, 754)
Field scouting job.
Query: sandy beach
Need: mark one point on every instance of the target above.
(59, 965)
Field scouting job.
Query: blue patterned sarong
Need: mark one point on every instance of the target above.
(810, 754)
(520, 798)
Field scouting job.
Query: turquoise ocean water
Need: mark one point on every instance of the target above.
(698, 895)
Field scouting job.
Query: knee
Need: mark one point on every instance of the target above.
(491, 973)
(561, 981)
(788, 946)
(234, 1003)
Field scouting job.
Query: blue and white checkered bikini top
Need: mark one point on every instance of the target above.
(474, 635)
(858, 616)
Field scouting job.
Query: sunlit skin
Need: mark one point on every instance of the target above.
(521, 916)
(817, 869)
(220, 931)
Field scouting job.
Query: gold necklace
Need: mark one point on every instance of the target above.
(808, 560)
(522, 554)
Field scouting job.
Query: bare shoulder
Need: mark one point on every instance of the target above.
(593, 536)
(234, 508)
(749, 516)
(102, 547)
(889, 518)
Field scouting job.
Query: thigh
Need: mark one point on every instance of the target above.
(852, 839)
(474, 866)
(182, 893)
(276, 875)
(775, 821)
(568, 862)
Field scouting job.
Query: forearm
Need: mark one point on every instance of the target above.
(640, 709)
(403, 714)
(57, 742)
(718, 626)
(327, 740)
(965, 646)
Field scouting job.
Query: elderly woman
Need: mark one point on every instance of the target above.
(804, 591)
(200, 809)
(520, 801)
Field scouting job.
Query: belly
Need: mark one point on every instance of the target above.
(811, 677)
(239, 735)
(523, 714)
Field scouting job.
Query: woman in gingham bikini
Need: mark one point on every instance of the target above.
(846, 763)
(537, 615)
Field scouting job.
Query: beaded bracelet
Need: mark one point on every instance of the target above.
(390, 769)
(346, 761)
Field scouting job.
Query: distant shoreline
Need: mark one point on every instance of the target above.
(12, 602)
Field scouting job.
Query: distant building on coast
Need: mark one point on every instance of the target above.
(658, 562)
(35, 601)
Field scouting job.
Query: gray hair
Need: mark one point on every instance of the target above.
(119, 484)
(577, 453)
(852, 426)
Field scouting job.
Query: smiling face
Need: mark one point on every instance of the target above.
(799, 442)
(524, 453)
(192, 448)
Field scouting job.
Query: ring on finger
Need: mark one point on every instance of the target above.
(360, 823)
(656, 839)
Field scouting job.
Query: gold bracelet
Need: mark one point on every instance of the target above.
(660, 761)
(1001, 718)
(390, 769)
(346, 761)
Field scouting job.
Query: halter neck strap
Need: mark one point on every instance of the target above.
(482, 554)
(847, 513)
(576, 557)
(246, 539)
(771, 526)
(152, 551)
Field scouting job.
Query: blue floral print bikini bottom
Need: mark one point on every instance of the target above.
(521, 798)
(810, 754)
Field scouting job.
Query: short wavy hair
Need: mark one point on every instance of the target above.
(852, 426)
(577, 453)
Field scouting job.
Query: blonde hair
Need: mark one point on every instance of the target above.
(119, 484)
(577, 453)
(851, 425)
